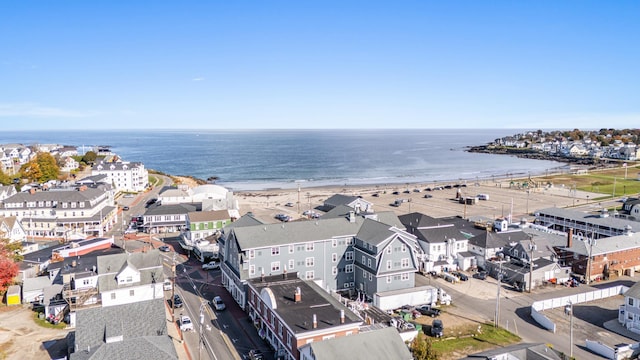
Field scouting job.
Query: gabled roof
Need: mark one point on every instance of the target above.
(439, 234)
(381, 344)
(634, 291)
(604, 246)
(244, 220)
(215, 215)
(171, 209)
(418, 220)
(494, 240)
(523, 351)
(61, 196)
(148, 263)
(374, 232)
(133, 321)
(339, 199)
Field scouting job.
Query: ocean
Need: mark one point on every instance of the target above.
(265, 159)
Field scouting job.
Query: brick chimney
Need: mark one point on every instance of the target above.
(341, 316)
(315, 321)
(570, 238)
(297, 296)
(32, 191)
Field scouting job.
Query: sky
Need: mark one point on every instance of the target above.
(319, 64)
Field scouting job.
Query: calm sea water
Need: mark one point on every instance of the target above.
(261, 159)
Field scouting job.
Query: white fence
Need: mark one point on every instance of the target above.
(539, 306)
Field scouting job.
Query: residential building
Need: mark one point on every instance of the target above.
(289, 312)
(7, 191)
(128, 331)
(488, 244)
(60, 213)
(68, 164)
(385, 258)
(201, 224)
(629, 312)
(442, 244)
(585, 224)
(599, 258)
(358, 204)
(11, 228)
(321, 250)
(210, 196)
(125, 176)
(379, 344)
(523, 351)
(166, 218)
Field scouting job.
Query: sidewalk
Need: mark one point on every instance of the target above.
(174, 333)
(616, 327)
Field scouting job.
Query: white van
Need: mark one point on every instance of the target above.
(167, 285)
(483, 196)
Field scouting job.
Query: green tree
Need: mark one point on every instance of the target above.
(422, 349)
(89, 157)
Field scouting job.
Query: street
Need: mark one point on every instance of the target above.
(515, 313)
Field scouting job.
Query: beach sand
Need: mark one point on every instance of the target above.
(504, 198)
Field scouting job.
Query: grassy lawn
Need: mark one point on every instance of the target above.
(601, 181)
(463, 340)
(45, 324)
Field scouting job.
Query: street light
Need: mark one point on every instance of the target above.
(202, 305)
(569, 309)
(532, 247)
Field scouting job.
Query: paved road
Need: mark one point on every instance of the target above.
(515, 314)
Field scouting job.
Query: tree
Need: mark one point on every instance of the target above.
(31, 171)
(89, 157)
(48, 167)
(4, 178)
(422, 349)
(9, 258)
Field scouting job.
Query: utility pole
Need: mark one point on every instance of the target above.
(200, 335)
(173, 289)
(532, 247)
(298, 199)
(497, 317)
(568, 309)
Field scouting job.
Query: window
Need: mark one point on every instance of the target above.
(252, 269)
(310, 246)
(291, 248)
(631, 301)
(309, 261)
(364, 259)
(334, 270)
(309, 275)
(334, 242)
(252, 254)
(113, 296)
(334, 257)
(388, 264)
(348, 256)
(348, 268)
(403, 247)
(289, 340)
(515, 253)
(350, 241)
(131, 292)
(388, 279)
(291, 263)
(275, 251)
(370, 277)
(404, 276)
(85, 282)
(369, 263)
(405, 263)
(364, 273)
(389, 249)
(275, 266)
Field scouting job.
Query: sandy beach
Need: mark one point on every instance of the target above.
(504, 198)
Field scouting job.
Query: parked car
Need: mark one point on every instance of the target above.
(125, 208)
(256, 355)
(460, 275)
(416, 190)
(164, 248)
(375, 195)
(428, 196)
(427, 310)
(396, 193)
(288, 204)
(185, 323)
(212, 265)
(482, 275)
(218, 304)
(177, 301)
(166, 285)
(437, 328)
(152, 201)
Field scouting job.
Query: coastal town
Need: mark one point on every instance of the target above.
(104, 258)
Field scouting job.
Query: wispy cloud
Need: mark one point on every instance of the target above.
(198, 79)
(40, 111)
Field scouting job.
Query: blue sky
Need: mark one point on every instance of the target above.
(319, 64)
